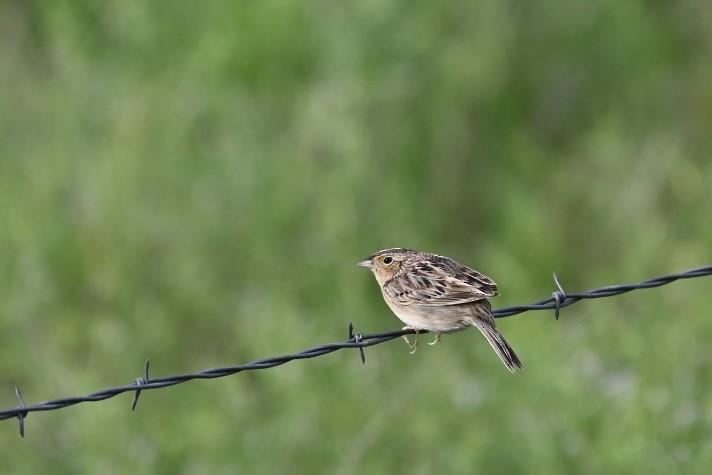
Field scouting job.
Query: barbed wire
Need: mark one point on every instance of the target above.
(558, 300)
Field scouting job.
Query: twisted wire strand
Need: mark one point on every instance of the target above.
(558, 300)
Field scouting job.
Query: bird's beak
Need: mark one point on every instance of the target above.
(368, 264)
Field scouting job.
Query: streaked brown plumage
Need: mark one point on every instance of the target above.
(434, 293)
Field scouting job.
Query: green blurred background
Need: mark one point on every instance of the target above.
(195, 184)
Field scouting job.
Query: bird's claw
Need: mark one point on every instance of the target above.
(414, 346)
(436, 340)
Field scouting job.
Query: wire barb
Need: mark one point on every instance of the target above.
(556, 302)
(558, 295)
(357, 338)
(21, 414)
(140, 382)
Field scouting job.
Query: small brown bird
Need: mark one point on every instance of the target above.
(434, 293)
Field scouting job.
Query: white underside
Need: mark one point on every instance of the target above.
(433, 318)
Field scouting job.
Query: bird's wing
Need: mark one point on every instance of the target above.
(439, 283)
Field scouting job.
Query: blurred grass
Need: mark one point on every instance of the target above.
(196, 184)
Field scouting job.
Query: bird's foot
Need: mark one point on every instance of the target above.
(436, 340)
(414, 346)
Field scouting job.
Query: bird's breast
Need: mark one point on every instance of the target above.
(444, 318)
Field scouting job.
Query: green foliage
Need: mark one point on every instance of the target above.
(196, 183)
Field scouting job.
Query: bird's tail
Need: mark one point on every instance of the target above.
(496, 340)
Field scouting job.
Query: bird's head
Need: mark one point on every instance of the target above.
(387, 263)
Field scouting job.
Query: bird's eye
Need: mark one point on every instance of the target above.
(387, 260)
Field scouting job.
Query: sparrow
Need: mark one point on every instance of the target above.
(434, 293)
